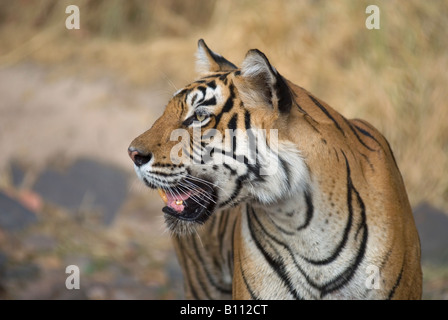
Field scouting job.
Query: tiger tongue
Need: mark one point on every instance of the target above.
(175, 202)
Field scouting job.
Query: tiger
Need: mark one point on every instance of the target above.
(315, 209)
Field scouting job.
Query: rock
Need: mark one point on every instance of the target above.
(87, 185)
(22, 272)
(432, 225)
(13, 215)
(18, 174)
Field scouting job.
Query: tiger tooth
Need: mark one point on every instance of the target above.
(162, 194)
(179, 202)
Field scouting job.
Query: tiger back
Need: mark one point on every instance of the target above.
(272, 194)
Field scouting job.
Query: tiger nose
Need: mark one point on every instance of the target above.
(139, 157)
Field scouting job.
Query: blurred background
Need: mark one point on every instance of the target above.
(71, 101)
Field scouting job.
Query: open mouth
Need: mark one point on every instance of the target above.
(189, 202)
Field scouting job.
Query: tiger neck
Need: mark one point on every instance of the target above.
(287, 216)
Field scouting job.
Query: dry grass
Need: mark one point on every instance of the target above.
(395, 77)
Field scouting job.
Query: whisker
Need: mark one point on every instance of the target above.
(199, 237)
(189, 183)
(194, 187)
(190, 177)
(197, 201)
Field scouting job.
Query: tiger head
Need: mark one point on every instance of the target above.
(221, 140)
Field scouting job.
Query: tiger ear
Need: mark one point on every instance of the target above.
(263, 84)
(208, 61)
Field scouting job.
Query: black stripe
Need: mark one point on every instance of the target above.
(227, 106)
(194, 99)
(255, 170)
(214, 75)
(209, 133)
(163, 174)
(276, 264)
(197, 268)
(298, 105)
(221, 61)
(309, 209)
(229, 103)
(163, 181)
(187, 122)
(212, 222)
(321, 107)
(366, 133)
(247, 120)
(368, 161)
(267, 235)
(281, 229)
(249, 289)
(348, 225)
(233, 123)
(294, 100)
(212, 84)
(307, 118)
(344, 277)
(181, 92)
(187, 274)
(336, 152)
(232, 171)
(165, 165)
(232, 250)
(286, 170)
(209, 276)
(203, 90)
(363, 222)
(391, 152)
(221, 218)
(222, 228)
(386, 258)
(209, 102)
(356, 135)
(397, 283)
(252, 139)
(197, 152)
(224, 78)
(187, 153)
(236, 191)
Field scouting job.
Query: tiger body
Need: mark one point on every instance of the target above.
(330, 221)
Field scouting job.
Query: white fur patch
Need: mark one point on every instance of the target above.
(202, 61)
(255, 65)
(285, 182)
(203, 65)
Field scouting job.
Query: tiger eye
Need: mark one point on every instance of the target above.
(200, 117)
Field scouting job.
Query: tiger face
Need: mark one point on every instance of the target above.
(220, 141)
